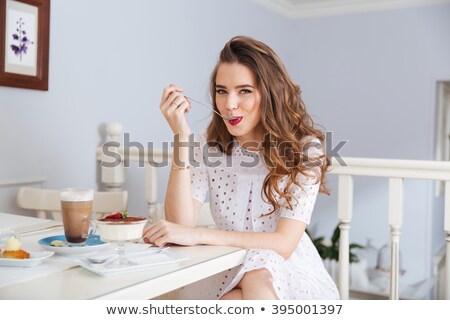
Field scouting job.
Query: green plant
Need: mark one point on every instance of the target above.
(331, 251)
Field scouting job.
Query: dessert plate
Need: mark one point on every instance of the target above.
(163, 259)
(92, 244)
(36, 258)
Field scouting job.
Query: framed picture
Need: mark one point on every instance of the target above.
(24, 43)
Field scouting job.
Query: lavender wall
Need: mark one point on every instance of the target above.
(371, 79)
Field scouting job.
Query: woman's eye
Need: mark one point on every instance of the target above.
(220, 91)
(245, 91)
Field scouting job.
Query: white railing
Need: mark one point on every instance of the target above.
(395, 170)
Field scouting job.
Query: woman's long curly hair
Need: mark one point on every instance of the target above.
(284, 119)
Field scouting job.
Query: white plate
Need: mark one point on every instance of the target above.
(93, 244)
(160, 260)
(36, 258)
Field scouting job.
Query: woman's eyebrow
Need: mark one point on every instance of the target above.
(237, 87)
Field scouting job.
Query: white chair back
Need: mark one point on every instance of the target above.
(47, 200)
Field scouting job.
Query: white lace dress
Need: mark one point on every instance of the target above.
(234, 184)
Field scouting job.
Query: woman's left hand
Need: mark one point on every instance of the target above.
(164, 232)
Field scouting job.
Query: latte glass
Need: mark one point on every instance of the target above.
(76, 209)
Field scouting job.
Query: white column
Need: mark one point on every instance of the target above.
(345, 211)
(395, 222)
(447, 238)
(113, 177)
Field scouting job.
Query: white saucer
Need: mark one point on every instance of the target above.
(36, 258)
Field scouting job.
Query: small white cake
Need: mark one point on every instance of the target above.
(118, 230)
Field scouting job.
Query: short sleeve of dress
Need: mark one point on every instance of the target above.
(302, 203)
(199, 175)
(304, 196)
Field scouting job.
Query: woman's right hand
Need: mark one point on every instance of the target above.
(174, 107)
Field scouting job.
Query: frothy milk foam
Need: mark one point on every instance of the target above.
(76, 195)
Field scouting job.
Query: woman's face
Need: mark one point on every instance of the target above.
(237, 96)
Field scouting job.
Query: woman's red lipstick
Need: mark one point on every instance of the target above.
(235, 121)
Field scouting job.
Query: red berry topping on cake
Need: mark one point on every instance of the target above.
(117, 215)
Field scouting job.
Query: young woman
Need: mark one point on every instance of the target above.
(262, 169)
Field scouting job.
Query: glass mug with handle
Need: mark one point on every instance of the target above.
(76, 210)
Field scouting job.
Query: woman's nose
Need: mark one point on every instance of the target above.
(231, 103)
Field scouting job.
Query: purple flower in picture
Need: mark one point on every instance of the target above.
(22, 42)
(15, 49)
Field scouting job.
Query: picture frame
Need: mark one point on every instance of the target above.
(24, 43)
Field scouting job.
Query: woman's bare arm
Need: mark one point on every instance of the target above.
(178, 203)
(283, 240)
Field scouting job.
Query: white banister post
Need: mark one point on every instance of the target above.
(113, 177)
(151, 191)
(395, 222)
(345, 211)
(447, 238)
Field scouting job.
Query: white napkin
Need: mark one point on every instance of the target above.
(131, 249)
(165, 259)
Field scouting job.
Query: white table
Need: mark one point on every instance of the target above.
(78, 283)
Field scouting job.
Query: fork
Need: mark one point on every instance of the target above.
(131, 254)
(210, 108)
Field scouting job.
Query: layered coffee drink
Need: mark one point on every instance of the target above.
(76, 209)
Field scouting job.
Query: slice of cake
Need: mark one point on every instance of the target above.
(13, 250)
